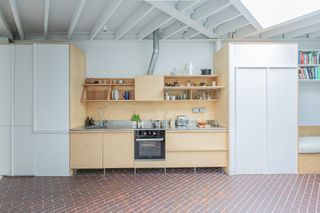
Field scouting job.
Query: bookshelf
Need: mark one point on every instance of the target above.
(309, 65)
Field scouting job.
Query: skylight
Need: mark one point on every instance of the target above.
(273, 12)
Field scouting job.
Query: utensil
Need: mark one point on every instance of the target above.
(115, 94)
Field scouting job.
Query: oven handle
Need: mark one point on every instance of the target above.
(149, 139)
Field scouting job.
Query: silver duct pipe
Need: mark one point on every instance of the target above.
(155, 52)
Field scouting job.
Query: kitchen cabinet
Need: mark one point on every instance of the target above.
(149, 88)
(51, 87)
(260, 106)
(118, 149)
(201, 148)
(6, 93)
(86, 150)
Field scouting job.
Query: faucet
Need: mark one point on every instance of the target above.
(101, 122)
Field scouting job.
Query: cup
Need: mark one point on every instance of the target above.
(214, 83)
(126, 95)
(173, 97)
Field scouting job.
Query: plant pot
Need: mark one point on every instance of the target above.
(205, 71)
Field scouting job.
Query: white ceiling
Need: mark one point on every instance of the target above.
(137, 19)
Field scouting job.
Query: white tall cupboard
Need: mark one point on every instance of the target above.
(261, 102)
(41, 110)
(6, 115)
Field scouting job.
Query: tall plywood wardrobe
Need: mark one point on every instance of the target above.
(259, 106)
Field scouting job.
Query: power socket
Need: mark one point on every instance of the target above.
(202, 109)
(195, 110)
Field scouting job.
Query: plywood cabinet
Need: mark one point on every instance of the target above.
(118, 149)
(86, 150)
(197, 149)
(149, 88)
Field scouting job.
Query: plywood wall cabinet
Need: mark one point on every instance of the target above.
(118, 149)
(77, 78)
(149, 88)
(86, 150)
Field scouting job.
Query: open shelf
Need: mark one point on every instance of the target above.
(193, 87)
(104, 89)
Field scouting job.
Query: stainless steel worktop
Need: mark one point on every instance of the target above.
(127, 126)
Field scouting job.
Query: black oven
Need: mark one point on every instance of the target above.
(149, 144)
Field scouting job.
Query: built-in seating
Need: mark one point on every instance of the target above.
(309, 154)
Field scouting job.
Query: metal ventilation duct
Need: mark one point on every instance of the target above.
(155, 52)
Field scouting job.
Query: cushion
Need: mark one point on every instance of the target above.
(309, 144)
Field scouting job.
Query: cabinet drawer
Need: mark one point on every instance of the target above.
(197, 140)
(85, 150)
(197, 159)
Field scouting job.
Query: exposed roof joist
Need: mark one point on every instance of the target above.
(15, 13)
(232, 25)
(4, 25)
(139, 14)
(46, 18)
(163, 6)
(303, 31)
(245, 12)
(181, 6)
(111, 8)
(75, 17)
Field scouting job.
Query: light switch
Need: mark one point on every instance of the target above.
(202, 110)
(195, 110)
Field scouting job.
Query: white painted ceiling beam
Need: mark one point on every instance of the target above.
(4, 25)
(161, 20)
(15, 13)
(291, 27)
(303, 31)
(314, 34)
(111, 8)
(139, 14)
(185, 5)
(222, 17)
(156, 24)
(210, 8)
(173, 29)
(240, 33)
(190, 34)
(245, 12)
(232, 25)
(183, 18)
(75, 17)
(46, 18)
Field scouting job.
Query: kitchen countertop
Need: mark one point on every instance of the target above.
(128, 128)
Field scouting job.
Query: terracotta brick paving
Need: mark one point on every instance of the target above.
(180, 190)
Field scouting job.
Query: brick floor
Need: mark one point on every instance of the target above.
(180, 190)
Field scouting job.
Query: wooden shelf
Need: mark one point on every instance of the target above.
(99, 85)
(190, 76)
(193, 87)
(212, 100)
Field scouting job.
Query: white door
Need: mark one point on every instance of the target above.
(250, 120)
(23, 110)
(6, 70)
(282, 120)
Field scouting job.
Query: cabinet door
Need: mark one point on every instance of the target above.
(118, 150)
(250, 120)
(85, 150)
(282, 120)
(5, 150)
(24, 141)
(23, 88)
(149, 88)
(52, 87)
(6, 66)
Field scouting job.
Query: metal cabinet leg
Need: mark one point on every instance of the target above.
(195, 170)
(165, 170)
(135, 171)
(104, 171)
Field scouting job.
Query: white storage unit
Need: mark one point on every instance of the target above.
(262, 114)
(23, 110)
(51, 109)
(6, 72)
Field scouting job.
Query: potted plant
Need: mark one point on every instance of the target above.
(136, 118)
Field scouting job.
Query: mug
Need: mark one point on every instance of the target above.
(126, 95)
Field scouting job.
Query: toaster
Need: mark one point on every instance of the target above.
(182, 120)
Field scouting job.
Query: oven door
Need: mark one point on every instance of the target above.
(149, 148)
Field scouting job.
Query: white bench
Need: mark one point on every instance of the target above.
(309, 154)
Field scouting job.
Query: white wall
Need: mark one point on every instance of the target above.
(131, 58)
